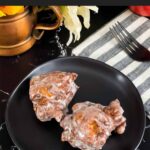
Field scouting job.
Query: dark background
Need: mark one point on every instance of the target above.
(14, 69)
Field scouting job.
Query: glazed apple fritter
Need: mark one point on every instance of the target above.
(90, 124)
(51, 93)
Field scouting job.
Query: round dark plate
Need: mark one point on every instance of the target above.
(98, 83)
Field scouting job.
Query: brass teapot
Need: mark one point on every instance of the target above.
(19, 32)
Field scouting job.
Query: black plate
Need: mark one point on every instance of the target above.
(98, 83)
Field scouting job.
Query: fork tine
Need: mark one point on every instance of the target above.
(137, 44)
(125, 38)
(117, 36)
(126, 45)
(132, 47)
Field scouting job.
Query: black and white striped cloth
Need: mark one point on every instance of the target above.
(102, 46)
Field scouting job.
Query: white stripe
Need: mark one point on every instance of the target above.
(112, 44)
(105, 48)
(140, 79)
(146, 95)
(131, 67)
(100, 33)
(144, 36)
(114, 60)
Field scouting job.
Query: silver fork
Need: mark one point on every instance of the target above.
(131, 46)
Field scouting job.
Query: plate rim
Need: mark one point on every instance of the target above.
(70, 58)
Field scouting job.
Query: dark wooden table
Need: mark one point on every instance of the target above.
(14, 69)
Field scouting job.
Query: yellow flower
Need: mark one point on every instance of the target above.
(11, 10)
(2, 14)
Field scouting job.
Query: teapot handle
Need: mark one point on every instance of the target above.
(42, 26)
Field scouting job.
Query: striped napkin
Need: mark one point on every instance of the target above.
(103, 46)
